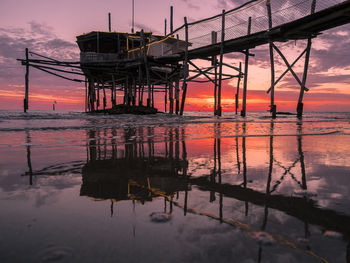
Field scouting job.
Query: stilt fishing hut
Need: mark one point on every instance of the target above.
(125, 66)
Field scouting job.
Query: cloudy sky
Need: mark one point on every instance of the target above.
(49, 27)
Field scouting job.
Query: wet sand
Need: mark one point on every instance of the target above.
(193, 190)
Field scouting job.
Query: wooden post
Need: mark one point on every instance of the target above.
(219, 110)
(171, 98)
(133, 16)
(238, 83)
(244, 103)
(306, 66)
(165, 97)
(134, 91)
(98, 42)
(171, 19)
(98, 95)
(140, 86)
(184, 84)
(147, 69)
(272, 62)
(152, 95)
(109, 22)
(177, 92)
(86, 95)
(104, 96)
(26, 103)
(126, 84)
(114, 91)
(165, 26)
(214, 62)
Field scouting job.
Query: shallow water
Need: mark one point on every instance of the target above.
(99, 188)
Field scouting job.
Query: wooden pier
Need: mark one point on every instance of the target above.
(131, 68)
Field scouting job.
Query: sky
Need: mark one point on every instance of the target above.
(50, 27)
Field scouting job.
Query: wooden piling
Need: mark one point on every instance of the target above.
(98, 95)
(214, 63)
(26, 103)
(134, 92)
(300, 105)
(146, 68)
(86, 94)
(104, 96)
(177, 92)
(171, 19)
(272, 63)
(219, 110)
(109, 22)
(185, 65)
(244, 103)
(238, 84)
(114, 91)
(171, 98)
(165, 97)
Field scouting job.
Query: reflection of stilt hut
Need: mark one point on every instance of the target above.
(122, 179)
(136, 174)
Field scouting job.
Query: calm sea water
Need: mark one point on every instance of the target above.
(99, 188)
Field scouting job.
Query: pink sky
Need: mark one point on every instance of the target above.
(50, 27)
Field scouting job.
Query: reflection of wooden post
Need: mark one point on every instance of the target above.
(237, 151)
(244, 103)
(25, 106)
(185, 65)
(221, 198)
(29, 162)
(244, 164)
(301, 158)
(219, 110)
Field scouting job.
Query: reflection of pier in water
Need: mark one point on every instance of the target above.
(136, 165)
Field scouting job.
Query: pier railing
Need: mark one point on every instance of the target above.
(200, 33)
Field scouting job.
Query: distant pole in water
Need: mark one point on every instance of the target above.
(54, 105)
(133, 16)
(25, 106)
(109, 22)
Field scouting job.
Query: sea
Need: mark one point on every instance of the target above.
(78, 187)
